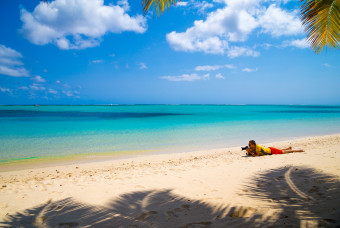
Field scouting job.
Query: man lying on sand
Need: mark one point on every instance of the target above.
(258, 150)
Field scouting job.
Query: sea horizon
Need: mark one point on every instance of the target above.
(108, 104)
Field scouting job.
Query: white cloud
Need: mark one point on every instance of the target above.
(58, 82)
(189, 42)
(208, 68)
(14, 72)
(326, 65)
(249, 70)
(206, 77)
(214, 67)
(220, 76)
(77, 24)
(186, 77)
(36, 86)
(266, 46)
(284, 1)
(6, 52)
(230, 66)
(278, 22)
(213, 34)
(5, 90)
(52, 91)
(202, 6)
(234, 23)
(302, 43)
(218, 1)
(97, 61)
(38, 79)
(23, 88)
(124, 4)
(10, 63)
(181, 3)
(68, 93)
(142, 66)
(241, 51)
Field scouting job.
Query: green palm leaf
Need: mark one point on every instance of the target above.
(159, 5)
(321, 19)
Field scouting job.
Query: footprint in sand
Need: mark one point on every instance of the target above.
(185, 206)
(171, 214)
(42, 189)
(139, 186)
(278, 178)
(145, 215)
(21, 197)
(193, 224)
(315, 189)
(242, 212)
(67, 224)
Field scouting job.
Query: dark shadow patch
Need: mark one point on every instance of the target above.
(75, 114)
(301, 193)
(157, 208)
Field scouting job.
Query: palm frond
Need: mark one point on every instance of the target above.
(321, 19)
(159, 5)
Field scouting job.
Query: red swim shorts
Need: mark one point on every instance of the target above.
(275, 151)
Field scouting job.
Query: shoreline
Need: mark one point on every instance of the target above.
(16, 164)
(191, 186)
(62, 160)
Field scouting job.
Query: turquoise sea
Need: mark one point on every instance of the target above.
(38, 131)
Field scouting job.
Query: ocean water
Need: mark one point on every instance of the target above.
(38, 131)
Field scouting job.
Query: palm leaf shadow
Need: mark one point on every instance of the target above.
(301, 194)
(298, 193)
(156, 208)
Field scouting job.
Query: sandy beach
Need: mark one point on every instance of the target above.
(215, 188)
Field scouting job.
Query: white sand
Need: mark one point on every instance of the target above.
(216, 188)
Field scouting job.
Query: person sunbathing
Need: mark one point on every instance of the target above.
(258, 150)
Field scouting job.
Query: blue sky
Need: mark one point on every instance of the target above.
(199, 52)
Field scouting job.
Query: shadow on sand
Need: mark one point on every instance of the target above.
(302, 196)
(297, 197)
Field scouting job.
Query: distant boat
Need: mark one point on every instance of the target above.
(36, 105)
